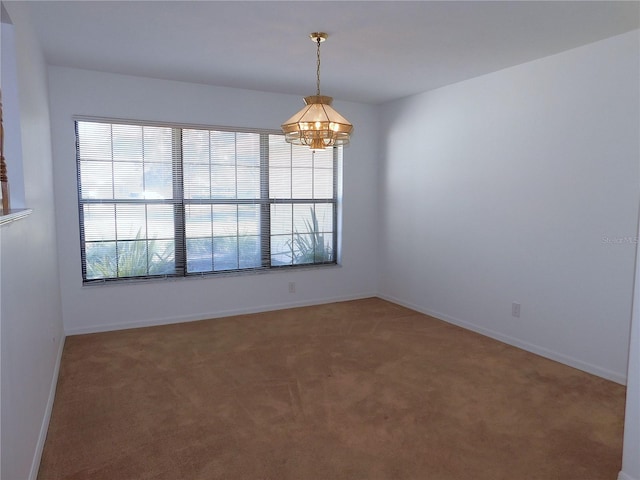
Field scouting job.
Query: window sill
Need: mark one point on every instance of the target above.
(14, 215)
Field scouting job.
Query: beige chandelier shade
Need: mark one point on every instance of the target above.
(318, 125)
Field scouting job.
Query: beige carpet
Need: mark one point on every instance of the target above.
(359, 390)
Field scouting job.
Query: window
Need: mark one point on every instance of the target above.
(158, 201)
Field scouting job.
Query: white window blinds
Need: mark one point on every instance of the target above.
(172, 201)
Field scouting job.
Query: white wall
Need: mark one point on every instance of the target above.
(520, 186)
(103, 307)
(31, 317)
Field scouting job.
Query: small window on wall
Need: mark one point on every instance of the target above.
(166, 201)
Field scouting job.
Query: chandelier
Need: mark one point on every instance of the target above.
(317, 125)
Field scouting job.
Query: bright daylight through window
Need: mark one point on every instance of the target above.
(160, 201)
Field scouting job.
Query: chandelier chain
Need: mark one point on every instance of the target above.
(318, 66)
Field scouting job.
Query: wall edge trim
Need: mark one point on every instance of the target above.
(44, 428)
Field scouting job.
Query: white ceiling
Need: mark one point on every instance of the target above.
(377, 50)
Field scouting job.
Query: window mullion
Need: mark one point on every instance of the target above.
(336, 156)
(83, 246)
(178, 202)
(265, 205)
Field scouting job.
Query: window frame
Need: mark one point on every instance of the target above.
(180, 203)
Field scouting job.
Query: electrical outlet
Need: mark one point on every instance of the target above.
(515, 310)
(292, 287)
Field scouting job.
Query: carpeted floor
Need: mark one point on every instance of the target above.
(359, 390)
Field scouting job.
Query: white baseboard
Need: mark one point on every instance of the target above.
(37, 456)
(624, 476)
(620, 378)
(211, 315)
